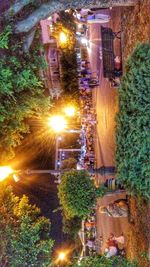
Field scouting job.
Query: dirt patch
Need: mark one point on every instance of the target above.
(139, 232)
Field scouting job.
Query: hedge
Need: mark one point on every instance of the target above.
(133, 124)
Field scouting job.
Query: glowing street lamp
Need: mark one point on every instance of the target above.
(62, 256)
(57, 123)
(5, 171)
(69, 111)
(62, 38)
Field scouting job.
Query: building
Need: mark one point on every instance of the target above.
(51, 75)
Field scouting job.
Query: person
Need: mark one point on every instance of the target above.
(119, 208)
(121, 244)
(111, 251)
(90, 244)
(120, 239)
(111, 242)
(115, 245)
(89, 225)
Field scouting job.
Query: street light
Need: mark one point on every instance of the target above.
(57, 123)
(62, 38)
(69, 111)
(62, 256)
(5, 171)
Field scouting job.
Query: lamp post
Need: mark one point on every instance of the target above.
(58, 139)
(6, 171)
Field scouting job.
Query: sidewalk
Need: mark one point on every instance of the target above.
(105, 100)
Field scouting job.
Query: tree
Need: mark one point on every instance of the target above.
(77, 194)
(104, 262)
(132, 133)
(69, 62)
(72, 226)
(21, 92)
(69, 163)
(66, 24)
(24, 233)
(37, 10)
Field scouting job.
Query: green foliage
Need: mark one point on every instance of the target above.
(24, 233)
(68, 21)
(99, 261)
(101, 191)
(133, 124)
(21, 93)
(69, 62)
(72, 226)
(77, 194)
(4, 37)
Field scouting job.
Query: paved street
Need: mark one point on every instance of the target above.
(104, 98)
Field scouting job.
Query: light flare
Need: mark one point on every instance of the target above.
(57, 123)
(62, 256)
(62, 38)
(70, 111)
(5, 171)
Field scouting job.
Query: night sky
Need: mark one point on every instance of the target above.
(40, 189)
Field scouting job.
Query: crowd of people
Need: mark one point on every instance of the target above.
(87, 82)
(115, 246)
(90, 234)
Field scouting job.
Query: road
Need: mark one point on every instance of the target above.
(105, 100)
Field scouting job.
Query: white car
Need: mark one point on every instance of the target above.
(98, 18)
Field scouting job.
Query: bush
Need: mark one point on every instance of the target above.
(77, 194)
(132, 133)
